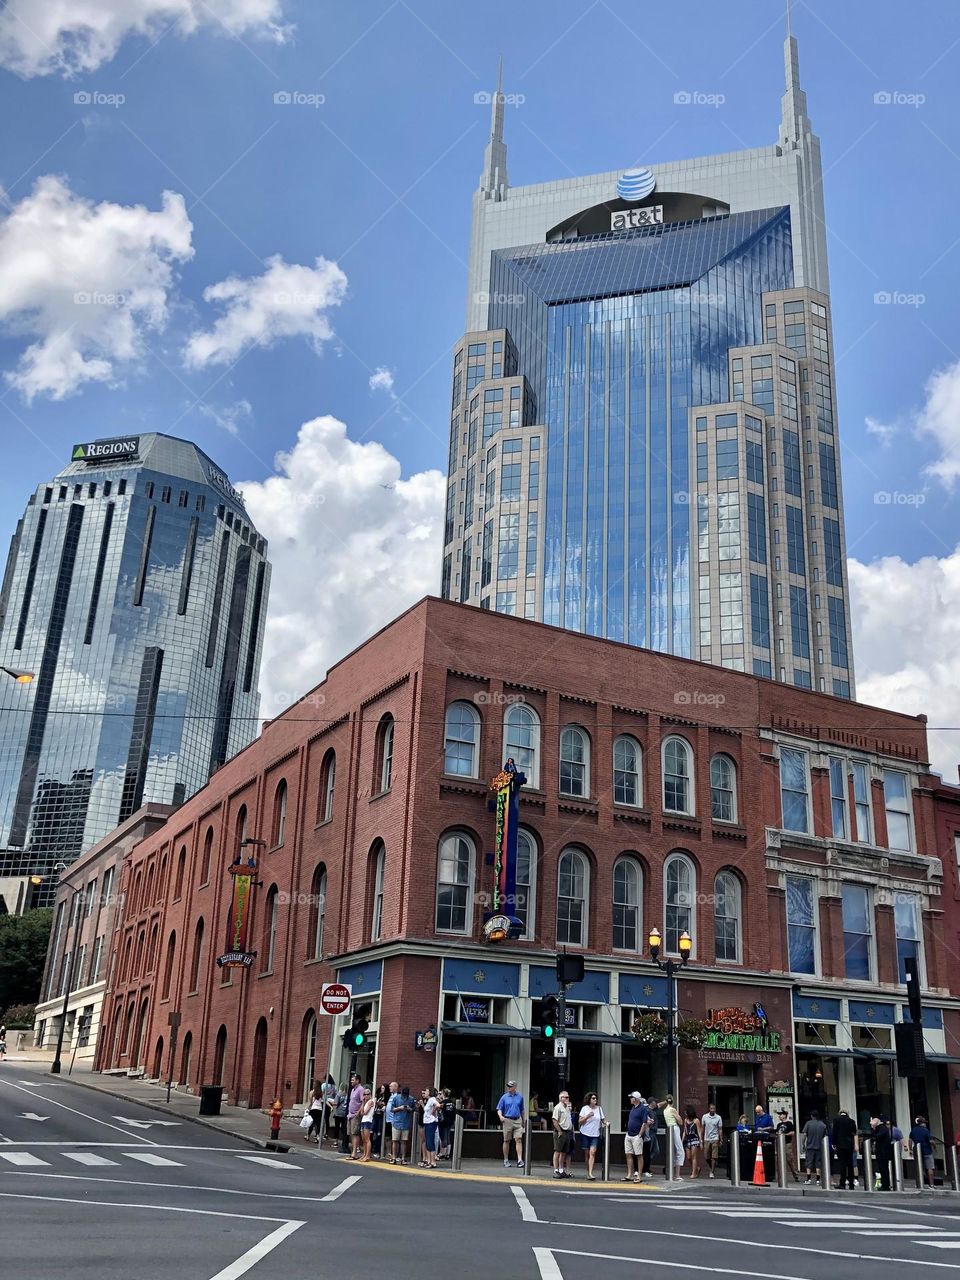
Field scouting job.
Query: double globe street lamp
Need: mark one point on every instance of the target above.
(671, 968)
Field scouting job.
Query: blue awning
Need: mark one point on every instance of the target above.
(487, 1029)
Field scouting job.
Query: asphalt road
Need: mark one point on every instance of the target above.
(95, 1188)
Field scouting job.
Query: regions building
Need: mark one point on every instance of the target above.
(799, 839)
(135, 591)
(643, 431)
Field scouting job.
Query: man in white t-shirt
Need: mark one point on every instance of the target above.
(712, 1136)
(562, 1137)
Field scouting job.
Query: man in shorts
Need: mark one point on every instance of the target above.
(712, 1135)
(510, 1111)
(633, 1138)
(562, 1137)
(401, 1107)
(354, 1107)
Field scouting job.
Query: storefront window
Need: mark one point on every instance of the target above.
(873, 1083)
(817, 1086)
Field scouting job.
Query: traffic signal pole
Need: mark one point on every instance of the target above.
(562, 1019)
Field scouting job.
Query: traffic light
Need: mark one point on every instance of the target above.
(356, 1038)
(913, 989)
(550, 1017)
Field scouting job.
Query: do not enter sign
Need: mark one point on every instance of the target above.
(335, 997)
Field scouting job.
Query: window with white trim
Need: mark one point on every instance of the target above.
(627, 882)
(857, 932)
(574, 762)
(897, 800)
(679, 896)
(726, 917)
(794, 790)
(525, 907)
(906, 916)
(461, 739)
(627, 784)
(861, 801)
(521, 740)
(455, 870)
(573, 880)
(677, 776)
(723, 789)
(801, 925)
(838, 797)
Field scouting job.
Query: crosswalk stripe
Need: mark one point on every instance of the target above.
(938, 1244)
(897, 1229)
(22, 1158)
(88, 1158)
(271, 1163)
(147, 1157)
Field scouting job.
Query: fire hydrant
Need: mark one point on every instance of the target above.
(276, 1115)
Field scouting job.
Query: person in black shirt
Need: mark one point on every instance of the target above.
(846, 1143)
(786, 1126)
(882, 1150)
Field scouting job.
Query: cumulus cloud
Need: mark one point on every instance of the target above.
(69, 37)
(85, 281)
(352, 544)
(382, 380)
(286, 301)
(884, 432)
(940, 419)
(906, 632)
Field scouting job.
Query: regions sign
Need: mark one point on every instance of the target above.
(734, 1030)
(106, 450)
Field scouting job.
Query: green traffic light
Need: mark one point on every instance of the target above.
(548, 1031)
(358, 1039)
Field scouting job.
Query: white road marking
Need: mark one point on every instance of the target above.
(171, 1186)
(22, 1158)
(270, 1162)
(341, 1187)
(547, 1264)
(51, 1102)
(527, 1212)
(88, 1158)
(31, 1115)
(895, 1228)
(939, 1244)
(146, 1124)
(148, 1157)
(656, 1262)
(167, 1208)
(259, 1251)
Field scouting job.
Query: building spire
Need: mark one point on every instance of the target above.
(794, 121)
(493, 180)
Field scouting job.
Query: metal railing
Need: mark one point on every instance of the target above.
(734, 1145)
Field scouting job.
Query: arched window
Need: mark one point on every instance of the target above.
(679, 890)
(151, 949)
(455, 873)
(677, 776)
(574, 762)
(206, 856)
(383, 756)
(196, 958)
(525, 907)
(185, 1054)
(136, 898)
(627, 786)
(726, 916)
(461, 738)
(723, 789)
(148, 890)
(138, 963)
(168, 966)
(309, 1057)
(318, 911)
(378, 859)
(127, 956)
(280, 814)
(161, 881)
(241, 826)
(219, 1053)
(181, 870)
(328, 779)
(573, 880)
(268, 949)
(626, 904)
(521, 740)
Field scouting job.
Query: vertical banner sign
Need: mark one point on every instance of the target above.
(502, 922)
(237, 955)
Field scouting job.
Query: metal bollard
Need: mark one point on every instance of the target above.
(527, 1153)
(735, 1159)
(954, 1170)
(826, 1173)
(782, 1161)
(668, 1165)
(868, 1175)
(606, 1153)
(897, 1167)
(456, 1153)
(918, 1170)
(415, 1156)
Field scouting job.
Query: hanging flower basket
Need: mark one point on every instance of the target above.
(649, 1028)
(691, 1033)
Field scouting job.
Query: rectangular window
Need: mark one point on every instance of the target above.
(861, 802)
(832, 551)
(757, 528)
(796, 557)
(838, 632)
(755, 462)
(791, 462)
(896, 799)
(794, 789)
(759, 614)
(857, 949)
(799, 623)
(838, 796)
(728, 467)
(906, 915)
(801, 926)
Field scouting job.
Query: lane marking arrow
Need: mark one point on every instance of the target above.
(32, 1115)
(145, 1124)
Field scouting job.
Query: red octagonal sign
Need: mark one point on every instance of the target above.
(335, 997)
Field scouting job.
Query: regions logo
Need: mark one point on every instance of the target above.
(106, 450)
(635, 184)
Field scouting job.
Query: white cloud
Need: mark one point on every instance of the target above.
(940, 418)
(883, 431)
(286, 301)
(70, 37)
(228, 416)
(352, 544)
(85, 281)
(906, 633)
(382, 380)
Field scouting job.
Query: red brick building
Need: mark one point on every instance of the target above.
(800, 839)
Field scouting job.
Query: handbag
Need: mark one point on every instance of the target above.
(306, 1120)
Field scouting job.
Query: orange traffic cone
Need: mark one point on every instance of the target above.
(759, 1178)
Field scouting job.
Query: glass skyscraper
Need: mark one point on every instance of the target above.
(136, 592)
(643, 431)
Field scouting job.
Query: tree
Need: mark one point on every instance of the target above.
(23, 950)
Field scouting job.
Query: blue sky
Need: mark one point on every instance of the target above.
(377, 179)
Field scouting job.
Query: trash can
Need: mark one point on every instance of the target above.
(210, 1097)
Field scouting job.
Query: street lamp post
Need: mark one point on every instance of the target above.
(56, 1064)
(21, 677)
(671, 968)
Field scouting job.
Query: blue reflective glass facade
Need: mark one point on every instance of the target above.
(619, 336)
(136, 591)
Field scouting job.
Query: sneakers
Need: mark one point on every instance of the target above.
(506, 1164)
(519, 1164)
(636, 1177)
(711, 1173)
(648, 1175)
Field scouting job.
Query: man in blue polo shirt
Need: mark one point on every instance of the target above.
(764, 1120)
(510, 1111)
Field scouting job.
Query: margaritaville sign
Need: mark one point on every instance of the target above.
(734, 1030)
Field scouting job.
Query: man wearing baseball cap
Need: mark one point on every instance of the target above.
(786, 1126)
(633, 1138)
